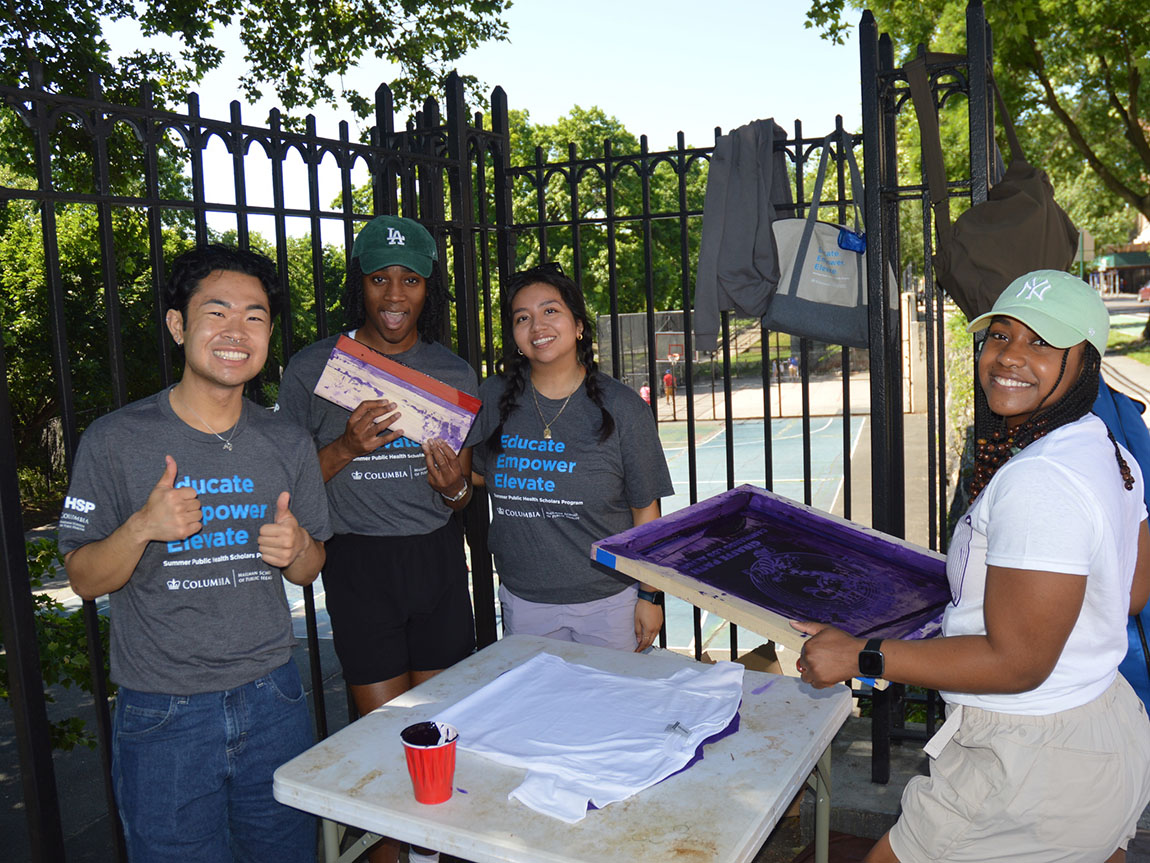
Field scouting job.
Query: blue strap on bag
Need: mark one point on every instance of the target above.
(1123, 416)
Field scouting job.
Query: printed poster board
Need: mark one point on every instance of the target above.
(430, 408)
(759, 560)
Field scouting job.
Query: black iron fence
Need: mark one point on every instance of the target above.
(112, 192)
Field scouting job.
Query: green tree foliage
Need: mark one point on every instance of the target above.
(24, 315)
(296, 49)
(584, 134)
(1072, 75)
(61, 639)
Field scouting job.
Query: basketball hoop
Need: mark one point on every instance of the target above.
(673, 357)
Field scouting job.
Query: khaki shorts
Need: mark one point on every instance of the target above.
(1069, 786)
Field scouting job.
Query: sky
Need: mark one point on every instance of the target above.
(658, 66)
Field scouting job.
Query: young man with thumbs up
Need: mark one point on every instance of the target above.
(187, 507)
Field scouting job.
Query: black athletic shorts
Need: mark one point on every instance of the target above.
(398, 603)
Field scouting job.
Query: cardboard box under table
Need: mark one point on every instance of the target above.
(720, 809)
(759, 560)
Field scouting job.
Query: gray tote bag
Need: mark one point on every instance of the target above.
(822, 269)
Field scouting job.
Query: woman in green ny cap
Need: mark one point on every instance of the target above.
(396, 578)
(1045, 753)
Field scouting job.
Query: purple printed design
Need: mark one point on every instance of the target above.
(348, 380)
(797, 562)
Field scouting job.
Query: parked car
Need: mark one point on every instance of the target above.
(1144, 293)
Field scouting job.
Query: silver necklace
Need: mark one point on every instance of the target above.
(228, 440)
(538, 410)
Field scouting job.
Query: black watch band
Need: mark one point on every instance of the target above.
(871, 661)
(655, 597)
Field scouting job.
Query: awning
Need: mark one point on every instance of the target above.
(1122, 260)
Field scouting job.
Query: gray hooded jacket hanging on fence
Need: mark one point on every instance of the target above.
(738, 269)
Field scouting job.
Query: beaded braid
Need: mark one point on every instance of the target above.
(517, 368)
(431, 318)
(995, 443)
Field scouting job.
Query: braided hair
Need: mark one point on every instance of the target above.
(517, 368)
(431, 318)
(995, 443)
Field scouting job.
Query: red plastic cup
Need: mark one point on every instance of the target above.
(430, 751)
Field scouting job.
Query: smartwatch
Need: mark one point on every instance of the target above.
(655, 597)
(871, 661)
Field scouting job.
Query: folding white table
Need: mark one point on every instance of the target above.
(720, 809)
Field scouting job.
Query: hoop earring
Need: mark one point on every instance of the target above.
(519, 351)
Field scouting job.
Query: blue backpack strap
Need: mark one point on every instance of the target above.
(1123, 416)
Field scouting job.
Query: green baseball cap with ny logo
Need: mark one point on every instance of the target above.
(1061, 309)
(389, 240)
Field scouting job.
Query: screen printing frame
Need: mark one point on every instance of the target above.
(665, 553)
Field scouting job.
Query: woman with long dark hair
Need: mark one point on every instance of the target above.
(569, 456)
(1045, 753)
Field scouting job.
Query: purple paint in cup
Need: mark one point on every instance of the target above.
(430, 751)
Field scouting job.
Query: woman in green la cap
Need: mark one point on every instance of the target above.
(1045, 753)
(396, 578)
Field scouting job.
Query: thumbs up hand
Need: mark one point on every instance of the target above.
(171, 513)
(283, 508)
(282, 541)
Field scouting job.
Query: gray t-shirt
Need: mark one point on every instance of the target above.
(383, 493)
(551, 499)
(205, 613)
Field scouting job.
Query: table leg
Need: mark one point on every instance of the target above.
(823, 807)
(330, 841)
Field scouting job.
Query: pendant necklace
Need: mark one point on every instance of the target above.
(538, 410)
(228, 440)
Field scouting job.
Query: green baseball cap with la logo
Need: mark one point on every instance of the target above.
(1061, 309)
(389, 240)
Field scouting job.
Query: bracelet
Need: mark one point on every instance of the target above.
(458, 497)
(655, 597)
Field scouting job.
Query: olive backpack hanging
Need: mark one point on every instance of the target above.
(1019, 228)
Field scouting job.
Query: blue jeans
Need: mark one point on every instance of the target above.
(193, 773)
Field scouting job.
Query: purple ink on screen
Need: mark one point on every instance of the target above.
(797, 562)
